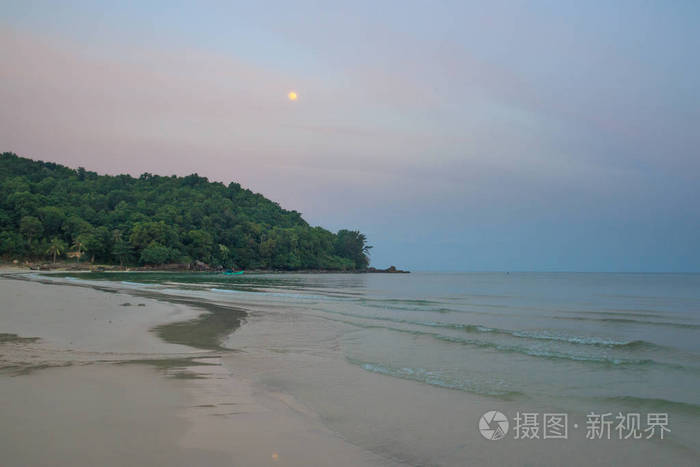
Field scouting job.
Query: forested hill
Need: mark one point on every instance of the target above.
(48, 210)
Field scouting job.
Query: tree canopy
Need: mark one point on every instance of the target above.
(156, 219)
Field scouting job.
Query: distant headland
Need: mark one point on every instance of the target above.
(49, 213)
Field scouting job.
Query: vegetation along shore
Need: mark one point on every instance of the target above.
(49, 212)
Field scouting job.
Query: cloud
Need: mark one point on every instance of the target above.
(450, 125)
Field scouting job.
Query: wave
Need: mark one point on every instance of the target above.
(402, 301)
(228, 290)
(625, 313)
(298, 296)
(139, 284)
(542, 335)
(633, 321)
(442, 310)
(651, 404)
(603, 359)
(549, 354)
(601, 342)
(434, 378)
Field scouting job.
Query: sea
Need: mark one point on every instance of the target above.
(442, 347)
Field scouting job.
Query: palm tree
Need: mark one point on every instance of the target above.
(56, 248)
(362, 239)
(352, 244)
(224, 254)
(78, 246)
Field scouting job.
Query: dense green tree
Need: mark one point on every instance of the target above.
(11, 244)
(24, 203)
(75, 225)
(5, 220)
(200, 244)
(30, 227)
(122, 251)
(92, 245)
(143, 233)
(154, 219)
(52, 218)
(353, 245)
(223, 256)
(155, 253)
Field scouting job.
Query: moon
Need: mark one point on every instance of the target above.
(292, 96)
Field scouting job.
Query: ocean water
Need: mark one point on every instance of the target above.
(579, 341)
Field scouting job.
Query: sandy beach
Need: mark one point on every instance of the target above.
(71, 398)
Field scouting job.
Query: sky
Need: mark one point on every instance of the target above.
(477, 136)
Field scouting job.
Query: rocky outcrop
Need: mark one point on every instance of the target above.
(200, 266)
(389, 270)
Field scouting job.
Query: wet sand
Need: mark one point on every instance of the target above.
(68, 398)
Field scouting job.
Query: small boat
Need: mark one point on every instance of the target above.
(229, 272)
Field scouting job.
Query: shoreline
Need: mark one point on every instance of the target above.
(29, 266)
(204, 331)
(163, 401)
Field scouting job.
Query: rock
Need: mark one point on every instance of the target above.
(200, 266)
(389, 270)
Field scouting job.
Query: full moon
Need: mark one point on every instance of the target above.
(292, 96)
